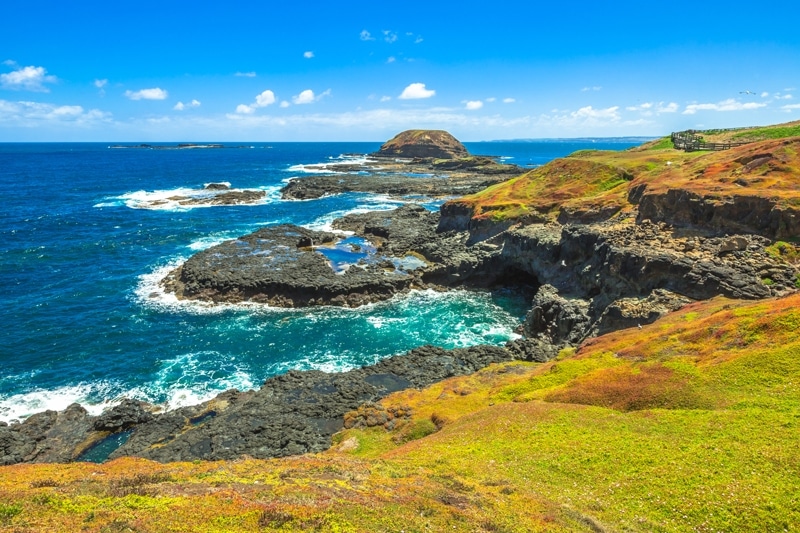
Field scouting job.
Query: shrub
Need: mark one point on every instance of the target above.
(8, 512)
(416, 430)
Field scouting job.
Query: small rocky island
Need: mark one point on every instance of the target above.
(431, 163)
(601, 240)
(212, 194)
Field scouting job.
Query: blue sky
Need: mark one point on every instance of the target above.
(363, 71)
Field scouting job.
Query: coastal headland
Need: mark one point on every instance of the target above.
(663, 322)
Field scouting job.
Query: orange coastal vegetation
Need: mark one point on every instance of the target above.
(714, 189)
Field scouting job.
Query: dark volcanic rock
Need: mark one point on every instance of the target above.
(556, 319)
(631, 312)
(277, 265)
(405, 229)
(46, 437)
(437, 144)
(740, 213)
(393, 185)
(120, 417)
(228, 197)
(293, 413)
(296, 412)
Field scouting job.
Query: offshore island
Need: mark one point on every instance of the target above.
(654, 388)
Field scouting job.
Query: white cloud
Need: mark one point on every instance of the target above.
(790, 107)
(155, 93)
(509, 100)
(265, 98)
(594, 88)
(26, 79)
(366, 36)
(385, 98)
(765, 94)
(308, 55)
(491, 99)
(32, 114)
(588, 112)
(783, 97)
(418, 40)
(649, 108)
(308, 97)
(246, 74)
(391, 59)
(583, 120)
(180, 106)
(305, 97)
(101, 84)
(726, 105)
(382, 123)
(416, 91)
(389, 36)
(641, 107)
(285, 104)
(473, 105)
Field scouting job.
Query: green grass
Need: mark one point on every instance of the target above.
(662, 144)
(775, 132)
(785, 251)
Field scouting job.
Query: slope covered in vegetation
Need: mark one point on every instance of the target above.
(711, 189)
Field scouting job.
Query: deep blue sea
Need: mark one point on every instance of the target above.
(82, 248)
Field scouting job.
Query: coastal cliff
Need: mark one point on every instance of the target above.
(659, 351)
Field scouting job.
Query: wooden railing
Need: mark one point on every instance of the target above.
(690, 141)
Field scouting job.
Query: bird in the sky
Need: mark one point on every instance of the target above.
(746, 92)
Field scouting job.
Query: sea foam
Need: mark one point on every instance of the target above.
(170, 199)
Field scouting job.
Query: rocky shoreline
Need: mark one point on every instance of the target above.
(399, 177)
(586, 278)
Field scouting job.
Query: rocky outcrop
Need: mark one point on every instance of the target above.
(556, 319)
(283, 266)
(397, 186)
(733, 214)
(212, 194)
(437, 144)
(49, 436)
(637, 311)
(399, 178)
(293, 413)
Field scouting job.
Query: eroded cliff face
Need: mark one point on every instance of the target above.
(738, 213)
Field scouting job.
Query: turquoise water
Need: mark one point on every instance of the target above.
(83, 248)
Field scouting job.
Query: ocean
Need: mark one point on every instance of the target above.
(88, 230)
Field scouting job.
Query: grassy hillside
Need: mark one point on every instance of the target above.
(597, 183)
(689, 424)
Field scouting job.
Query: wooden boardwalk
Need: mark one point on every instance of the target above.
(690, 141)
